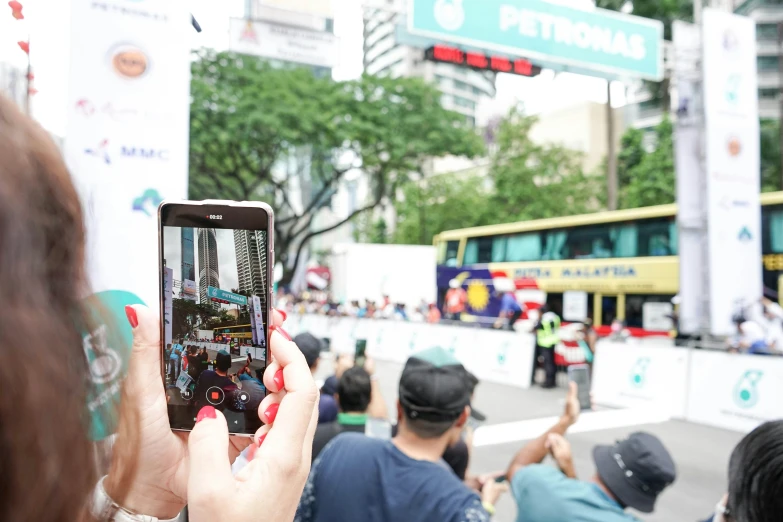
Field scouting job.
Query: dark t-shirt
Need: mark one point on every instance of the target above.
(324, 433)
(358, 478)
(210, 379)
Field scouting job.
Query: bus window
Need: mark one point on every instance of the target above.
(589, 243)
(523, 247)
(657, 238)
(452, 250)
(478, 250)
(772, 240)
(555, 245)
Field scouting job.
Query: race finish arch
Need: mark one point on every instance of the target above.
(553, 34)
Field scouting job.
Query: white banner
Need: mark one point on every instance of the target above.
(257, 321)
(736, 392)
(168, 303)
(126, 140)
(493, 356)
(574, 305)
(284, 42)
(627, 375)
(189, 290)
(732, 159)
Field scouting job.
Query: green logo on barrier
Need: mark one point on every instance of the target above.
(502, 354)
(453, 346)
(746, 394)
(639, 372)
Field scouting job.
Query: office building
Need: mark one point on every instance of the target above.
(767, 14)
(188, 254)
(462, 88)
(250, 248)
(208, 269)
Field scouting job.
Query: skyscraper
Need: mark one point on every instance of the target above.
(188, 255)
(250, 247)
(208, 272)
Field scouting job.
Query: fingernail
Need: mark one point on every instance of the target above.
(251, 453)
(207, 412)
(281, 332)
(282, 312)
(278, 378)
(132, 319)
(271, 413)
(261, 439)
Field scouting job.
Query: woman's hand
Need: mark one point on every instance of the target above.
(146, 448)
(279, 460)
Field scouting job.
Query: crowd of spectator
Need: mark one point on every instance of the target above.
(323, 303)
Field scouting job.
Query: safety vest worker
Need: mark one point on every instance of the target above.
(548, 333)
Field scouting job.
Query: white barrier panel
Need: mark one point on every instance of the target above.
(493, 356)
(736, 392)
(631, 375)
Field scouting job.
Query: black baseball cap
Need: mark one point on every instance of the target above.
(636, 470)
(223, 361)
(433, 386)
(310, 346)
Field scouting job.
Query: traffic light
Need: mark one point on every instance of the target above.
(16, 9)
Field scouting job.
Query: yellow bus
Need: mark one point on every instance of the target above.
(622, 259)
(242, 331)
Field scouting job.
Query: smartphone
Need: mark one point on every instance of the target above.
(580, 374)
(500, 478)
(360, 356)
(216, 260)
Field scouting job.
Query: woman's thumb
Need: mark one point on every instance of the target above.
(208, 447)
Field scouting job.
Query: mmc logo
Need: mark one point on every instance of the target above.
(449, 14)
(102, 151)
(746, 394)
(638, 375)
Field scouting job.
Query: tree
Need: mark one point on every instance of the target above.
(187, 316)
(259, 132)
(651, 180)
(439, 203)
(533, 181)
(770, 156)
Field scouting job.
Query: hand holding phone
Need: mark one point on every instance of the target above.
(360, 352)
(580, 374)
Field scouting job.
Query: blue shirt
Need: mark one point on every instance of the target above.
(358, 478)
(509, 304)
(544, 494)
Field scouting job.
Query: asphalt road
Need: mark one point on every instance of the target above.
(701, 453)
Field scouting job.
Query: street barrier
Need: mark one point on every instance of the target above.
(256, 353)
(493, 356)
(628, 375)
(732, 391)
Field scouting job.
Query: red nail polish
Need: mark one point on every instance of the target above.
(281, 332)
(282, 312)
(271, 413)
(279, 381)
(132, 319)
(261, 439)
(207, 412)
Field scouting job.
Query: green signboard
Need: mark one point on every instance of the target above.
(590, 40)
(222, 295)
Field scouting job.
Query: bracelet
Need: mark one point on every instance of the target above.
(489, 508)
(104, 508)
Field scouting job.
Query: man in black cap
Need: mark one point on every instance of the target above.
(311, 348)
(629, 474)
(374, 480)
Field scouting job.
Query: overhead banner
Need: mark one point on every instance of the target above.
(732, 161)
(589, 39)
(126, 140)
(284, 42)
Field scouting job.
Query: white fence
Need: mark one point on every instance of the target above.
(257, 353)
(732, 391)
(493, 356)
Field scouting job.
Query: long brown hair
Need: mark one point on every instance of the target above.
(46, 457)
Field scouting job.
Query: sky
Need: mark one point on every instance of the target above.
(227, 259)
(48, 21)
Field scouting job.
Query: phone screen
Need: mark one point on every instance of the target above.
(580, 374)
(361, 348)
(215, 312)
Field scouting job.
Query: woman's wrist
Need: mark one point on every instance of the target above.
(150, 501)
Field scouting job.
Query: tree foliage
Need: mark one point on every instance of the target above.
(265, 133)
(650, 181)
(534, 181)
(770, 156)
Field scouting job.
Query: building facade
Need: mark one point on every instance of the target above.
(188, 248)
(462, 88)
(209, 272)
(250, 248)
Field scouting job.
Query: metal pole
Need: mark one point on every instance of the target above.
(611, 156)
(697, 9)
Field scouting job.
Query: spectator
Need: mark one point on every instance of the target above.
(174, 362)
(455, 300)
(755, 478)
(372, 480)
(631, 473)
(510, 309)
(457, 454)
(217, 378)
(750, 337)
(311, 348)
(354, 390)
(433, 316)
